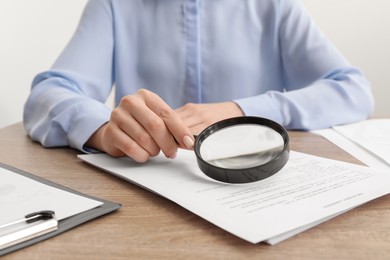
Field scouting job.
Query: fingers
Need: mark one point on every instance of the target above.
(118, 143)
(143, 124)
(164, 117)
(152, 126)
(136, 132)
(112, 140)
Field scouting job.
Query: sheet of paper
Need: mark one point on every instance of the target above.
(368, 141)
(276, 239)
(20, 196)
(307, 190)
(373, 135)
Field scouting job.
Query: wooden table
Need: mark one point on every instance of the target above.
(151, 227)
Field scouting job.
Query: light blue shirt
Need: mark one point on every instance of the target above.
(266, 55)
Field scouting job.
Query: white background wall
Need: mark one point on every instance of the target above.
(33, 33)
(361, 30)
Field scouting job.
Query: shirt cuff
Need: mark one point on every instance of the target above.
(261, 106)
(86, 124)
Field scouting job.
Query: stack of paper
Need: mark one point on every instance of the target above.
(307, 191)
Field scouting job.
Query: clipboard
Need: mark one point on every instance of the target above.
(64, 224)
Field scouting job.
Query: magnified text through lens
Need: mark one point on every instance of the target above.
(242, 146)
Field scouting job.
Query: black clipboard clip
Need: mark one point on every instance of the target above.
(31, 226)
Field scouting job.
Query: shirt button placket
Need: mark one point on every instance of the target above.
(193, 51)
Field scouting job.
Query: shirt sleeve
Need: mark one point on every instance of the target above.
(321, 88)
(66, 104)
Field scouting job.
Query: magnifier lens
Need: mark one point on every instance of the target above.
(242, 146)
(242, 149)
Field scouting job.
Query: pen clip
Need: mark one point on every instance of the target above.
(30, 218)
(40, 215)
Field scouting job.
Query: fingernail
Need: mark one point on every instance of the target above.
(188, 141)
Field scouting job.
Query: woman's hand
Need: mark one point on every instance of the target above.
(199, 116)
(141, 126)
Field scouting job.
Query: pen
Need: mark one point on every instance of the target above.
(32, 217)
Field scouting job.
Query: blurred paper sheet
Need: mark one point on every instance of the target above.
(368, 141)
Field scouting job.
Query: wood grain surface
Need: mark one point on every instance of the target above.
(151, 227)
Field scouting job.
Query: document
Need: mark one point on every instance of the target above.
(24, 203)
(368, 141)
(306, 192)
(34, 209)
(20, 196)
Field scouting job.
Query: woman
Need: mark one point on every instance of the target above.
(180, 65)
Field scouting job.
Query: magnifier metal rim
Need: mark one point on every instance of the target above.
(243, 175)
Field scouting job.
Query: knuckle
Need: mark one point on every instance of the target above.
(117, 119)
(148, 143)
(144, 139)
(115, 115)
(190, 106)
(132, 150)
(143, 93)
(128, 101)
(155, 126)
(129, 148)
(166, 113)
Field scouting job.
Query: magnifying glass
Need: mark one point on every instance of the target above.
(242, 149)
